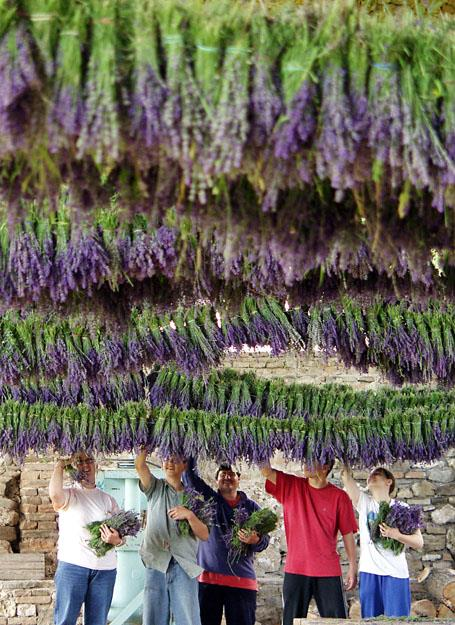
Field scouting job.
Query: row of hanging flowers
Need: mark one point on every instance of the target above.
(418, 434)
(170, 98)
(308, 245)
(406, 342)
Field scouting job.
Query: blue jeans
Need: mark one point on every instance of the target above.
(383, 594)
(173, 591)
(77, 585)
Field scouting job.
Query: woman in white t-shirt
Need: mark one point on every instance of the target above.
(81, 576)
(383, 576)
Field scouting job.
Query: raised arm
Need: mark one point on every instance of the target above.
(145, 475)
(56, 493)
(268, 472)
(350, 485)
(192, 479)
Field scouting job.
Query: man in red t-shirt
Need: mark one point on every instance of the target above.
(314, 512)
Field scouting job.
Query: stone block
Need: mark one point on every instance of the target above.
(33, 500)
(8, 533)
(26, 609)
(444, 515)
(423, 488)
(434, 542)
(36, 600)
(8, 517)
(415, 474)
(431, 557)
(442, 474)
(419, 502)
(47, 525)
(5, 546)
(28, 492)
(41, 516)
(38, 545)
(7, 605)
(28, 525)
(47, 507)
(26, 534)
(8, 504)
(434, 529)
(404, 493)
(28, 508)
(22, 620)
(450, 540)
(29, 476)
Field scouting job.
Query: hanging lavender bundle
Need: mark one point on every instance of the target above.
(19, 78)
(230, 123)
(207, 27)
(265, 100)
(204, 509)
(182, 112)
(425, 157)
(44, 16)
(149, 91)
(407, 519)
(66, 111)
(100, 133)
(337, 144)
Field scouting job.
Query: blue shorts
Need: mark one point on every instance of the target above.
(383, 594)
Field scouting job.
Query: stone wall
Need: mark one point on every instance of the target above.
(28, 522)
(26, 603)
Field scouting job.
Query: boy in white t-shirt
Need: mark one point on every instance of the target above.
(383, 576)
(81, 576)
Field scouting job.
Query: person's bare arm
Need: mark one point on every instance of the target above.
(56, 492)
(350, 485)
(415, 541)
(268, 473)
(200, 529)
(351, 553)
(145, 475)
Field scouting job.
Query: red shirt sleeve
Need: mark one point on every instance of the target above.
(282, 488)
(346, 518)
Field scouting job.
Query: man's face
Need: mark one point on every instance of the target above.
(86, 464)
(174, 466)
(377, 482)
(315, 470)
(227, 480)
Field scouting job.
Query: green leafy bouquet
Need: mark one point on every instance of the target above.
(407, 519)
(260, 521)
(127, 523)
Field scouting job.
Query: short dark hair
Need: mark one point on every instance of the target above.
(388, 476)
(225, 467)
(330, 466)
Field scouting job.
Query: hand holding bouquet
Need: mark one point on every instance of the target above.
(260, 521)
(406, 519)
(127, 523)
(205, 510)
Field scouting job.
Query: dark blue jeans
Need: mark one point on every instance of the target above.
(239, 605)
(77, 585)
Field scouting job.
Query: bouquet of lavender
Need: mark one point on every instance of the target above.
(127, 523)
(76, 475)
(407, 519)
(261, 521)
(204, 509)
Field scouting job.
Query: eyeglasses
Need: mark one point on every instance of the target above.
(86, 461)
(223, 474)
